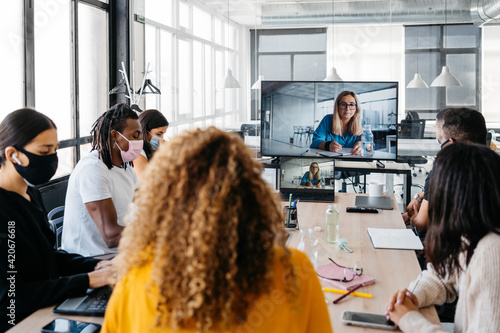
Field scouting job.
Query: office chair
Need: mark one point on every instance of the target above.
(56, 224)
(412, 129)
(250, 129)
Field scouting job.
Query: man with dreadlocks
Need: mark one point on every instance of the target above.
(102, 185)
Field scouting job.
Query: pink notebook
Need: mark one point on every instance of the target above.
(329, 271)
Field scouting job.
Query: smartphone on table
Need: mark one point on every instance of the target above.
(62, 325)
(365, 319)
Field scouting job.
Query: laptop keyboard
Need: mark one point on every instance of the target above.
(100, 302)
(92, 304)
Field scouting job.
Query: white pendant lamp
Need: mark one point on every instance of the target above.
(258, 83)
(446, 79)
(332, 75)
(417, 82)
(228, 81)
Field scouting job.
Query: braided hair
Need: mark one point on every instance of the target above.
(113, 119)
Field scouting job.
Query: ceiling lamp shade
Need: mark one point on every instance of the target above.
(417, 82)
(258, 83)
(446, 79)
(228, 81)
(332, 75)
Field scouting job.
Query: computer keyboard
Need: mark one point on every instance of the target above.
(100, 301)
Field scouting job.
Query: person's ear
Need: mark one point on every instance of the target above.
(12, 156)
(113, 135)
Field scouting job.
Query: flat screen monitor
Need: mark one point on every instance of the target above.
(294, 112)
(307, 179)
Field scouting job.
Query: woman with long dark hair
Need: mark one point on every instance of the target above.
(154, 126)
(462, 244)
(33, 274)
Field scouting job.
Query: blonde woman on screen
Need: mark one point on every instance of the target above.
(312, 178)
(207, 252)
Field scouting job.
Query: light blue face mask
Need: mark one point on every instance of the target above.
(155, 142)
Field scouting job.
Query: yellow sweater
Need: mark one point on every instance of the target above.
(132, 308)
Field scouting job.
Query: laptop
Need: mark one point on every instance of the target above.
(92, 304)
(294, 169)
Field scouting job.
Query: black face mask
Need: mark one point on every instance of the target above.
(40, 169)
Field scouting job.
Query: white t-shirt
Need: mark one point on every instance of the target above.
(91, 180)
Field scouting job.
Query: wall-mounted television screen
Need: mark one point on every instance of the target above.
(326, 119)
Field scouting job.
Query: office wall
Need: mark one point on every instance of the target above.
(490, 79)
(370, 52)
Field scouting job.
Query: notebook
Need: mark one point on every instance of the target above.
(92, 304)
(400, 239)
(374, 202)
(329, 271)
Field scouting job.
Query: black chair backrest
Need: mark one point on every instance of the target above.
(411, 128)
(56, 220)
(250, 129)
(489, 137)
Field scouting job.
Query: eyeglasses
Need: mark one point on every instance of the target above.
(344, 105)
(349, 272)
(446, 141)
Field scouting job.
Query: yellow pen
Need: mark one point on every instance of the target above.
(337, 291)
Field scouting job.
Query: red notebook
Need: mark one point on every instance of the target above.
(329, 271)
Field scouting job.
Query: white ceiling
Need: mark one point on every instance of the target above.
(262, 13)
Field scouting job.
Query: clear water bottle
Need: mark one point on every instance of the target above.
(332, 224)
(367, 141)
(308, 245)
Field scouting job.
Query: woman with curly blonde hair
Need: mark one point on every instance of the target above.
(206, 249)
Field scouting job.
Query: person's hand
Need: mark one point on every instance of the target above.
(335, 146)
(103, 264)
(402, 302)
(101, 277)
(406, 217)
(356, 150)
(318, 185)
(308, 184)
(410, 208)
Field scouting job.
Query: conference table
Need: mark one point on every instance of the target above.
(392, 269)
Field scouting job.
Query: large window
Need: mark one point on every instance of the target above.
(55, 56)
(187, 57)
(12, 58)
(288, 55)
(429, 48)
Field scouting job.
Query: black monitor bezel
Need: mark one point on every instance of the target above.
(346, 158)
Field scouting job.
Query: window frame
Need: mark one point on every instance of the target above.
(29, 66)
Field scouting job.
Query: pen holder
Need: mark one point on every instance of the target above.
(291, 220)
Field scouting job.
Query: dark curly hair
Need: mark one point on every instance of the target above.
(209, 225)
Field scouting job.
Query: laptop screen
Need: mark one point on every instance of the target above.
(308, 178)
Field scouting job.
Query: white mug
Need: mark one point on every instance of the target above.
(376, 189)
